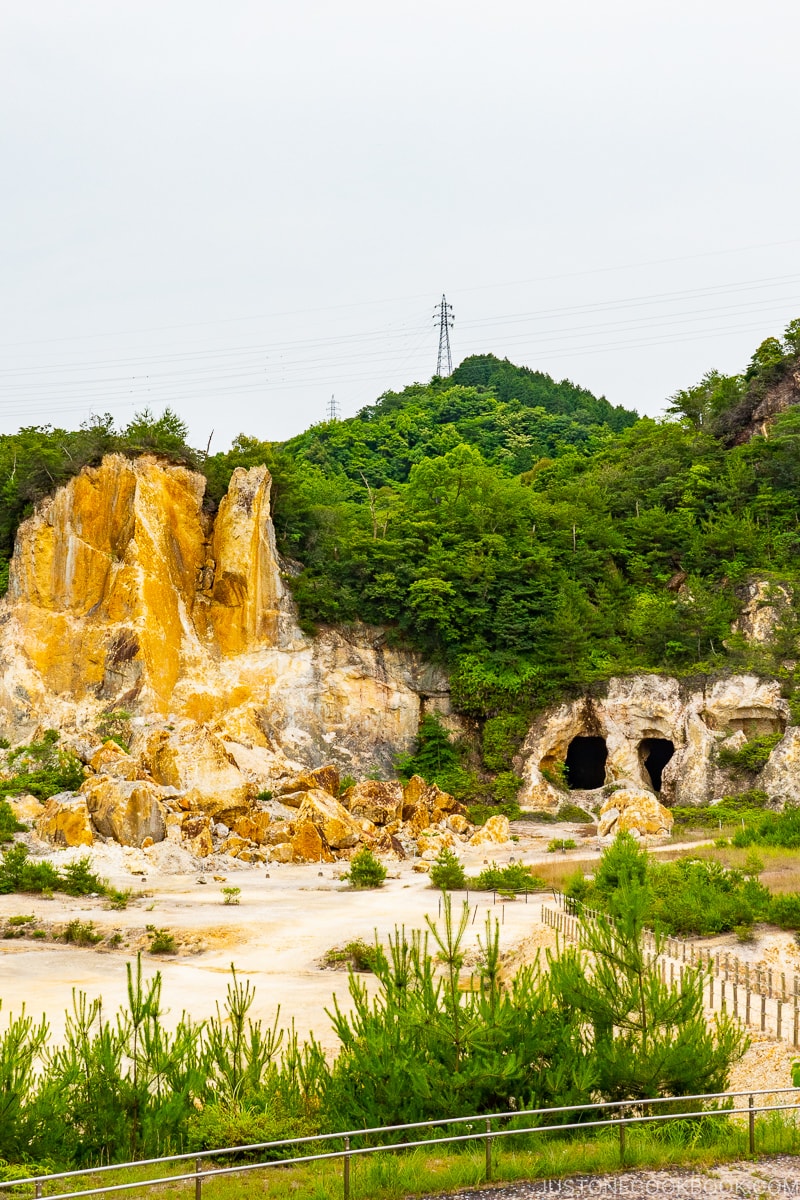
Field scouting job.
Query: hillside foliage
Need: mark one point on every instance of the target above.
(525, 532)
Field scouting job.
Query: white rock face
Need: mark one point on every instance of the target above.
(780, 778)
(696, 720)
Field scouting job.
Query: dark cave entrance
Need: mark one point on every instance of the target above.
(586, 763)
(654, 754)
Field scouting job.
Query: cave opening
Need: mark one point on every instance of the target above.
(586, 763)
(654, 754)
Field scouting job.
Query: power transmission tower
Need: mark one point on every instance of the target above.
(332, 410)
(443, 315)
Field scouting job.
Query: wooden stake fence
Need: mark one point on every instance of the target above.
(761, 998)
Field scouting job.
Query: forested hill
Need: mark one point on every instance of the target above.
(538, 539)
(512, 415)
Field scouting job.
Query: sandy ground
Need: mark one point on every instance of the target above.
(287, 918)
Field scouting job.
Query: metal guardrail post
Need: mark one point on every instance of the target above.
(198, 1182)
(37, 1189)
(622, 1144)
(763, 1013)
(751, 1121)
(346, 1172)
(488, 1151)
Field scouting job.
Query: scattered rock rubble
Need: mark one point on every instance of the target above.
(130, 799)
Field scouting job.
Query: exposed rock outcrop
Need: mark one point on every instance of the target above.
(765, 605)
(657, 733)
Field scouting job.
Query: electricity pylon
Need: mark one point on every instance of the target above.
(445, 318)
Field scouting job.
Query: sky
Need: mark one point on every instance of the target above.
(241, 209)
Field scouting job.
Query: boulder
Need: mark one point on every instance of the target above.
(419, 794)
(255, 827)
(127, 811)
(25, 808)
(196, 834)
(307, 844)
(379, 802)
(430, 843)
(324, 778)
(173, 823)
(496, 830)
(65, 821)
(634, 810)
(418, 819)
(336, 825)
(282, 853)
(234, 846)
(111, 759)
(458, 824)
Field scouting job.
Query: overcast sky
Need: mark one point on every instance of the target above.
(241, 208)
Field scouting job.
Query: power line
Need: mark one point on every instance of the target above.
(446, 319)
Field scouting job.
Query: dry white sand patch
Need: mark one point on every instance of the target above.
(276, 936)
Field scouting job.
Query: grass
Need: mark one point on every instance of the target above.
(781, 867)
(394, 1174)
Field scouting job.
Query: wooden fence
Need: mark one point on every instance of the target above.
(762, 998)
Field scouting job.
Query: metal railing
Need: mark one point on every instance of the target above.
(687, 1108)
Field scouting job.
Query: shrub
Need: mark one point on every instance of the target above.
(231, 895)
(18, 874)
(690, 895)
(435, 757)
(501, 739)
(516, 877)
(505, 788)
(771, 829)
(730, 810)
(117, 898)
(9, 825)
(784, 911)
(346, 782)
(265, 795)
(752, 756)
(557, 844)
(365, 870)
(162, 942)
(78, 879)
(43, 769)
(358, 954)
(82, 933)
(557, 776)
(447, 872)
